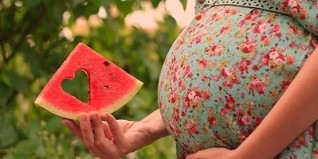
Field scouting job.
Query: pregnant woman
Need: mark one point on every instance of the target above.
(241, 81)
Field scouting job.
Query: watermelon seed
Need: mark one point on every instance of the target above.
(106, 63)
(106, 86)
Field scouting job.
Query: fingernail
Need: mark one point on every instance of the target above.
(96, 116)
(103, 117)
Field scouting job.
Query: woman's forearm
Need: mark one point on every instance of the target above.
(155, 125)
(296, 110)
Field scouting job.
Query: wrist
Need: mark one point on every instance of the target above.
(154, 125)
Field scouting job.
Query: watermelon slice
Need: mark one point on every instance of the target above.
(110, 87)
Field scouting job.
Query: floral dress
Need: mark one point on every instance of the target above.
(227, 70)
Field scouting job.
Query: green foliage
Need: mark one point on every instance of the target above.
(31, 50)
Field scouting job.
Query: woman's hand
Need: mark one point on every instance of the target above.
(215, 153)
(110, 138)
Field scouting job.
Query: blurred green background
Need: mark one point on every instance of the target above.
(36, 36)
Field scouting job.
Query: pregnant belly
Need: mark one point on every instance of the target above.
(215, 89)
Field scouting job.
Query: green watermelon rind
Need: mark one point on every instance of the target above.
(41, 102)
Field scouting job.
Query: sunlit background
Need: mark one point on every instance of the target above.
(36, 36)
(146, 18)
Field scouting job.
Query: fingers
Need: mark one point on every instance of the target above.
(102, 138)
(115, 129)
(88, 134)
(102, 143)
(75, 129)
(107, 132)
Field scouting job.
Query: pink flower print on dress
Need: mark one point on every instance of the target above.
(194, 96)
(247, 46)
(243, 65)
(206, 94)
(265, 40)
(182, 84)
(192, 128)
(204, 78)
(197, 100)
(203, 63)
(273, 55)
(290, 59)
(257, 85)
(176, 114)
(228, 71)
(230, 77)
(285, 84)
(284, 4)
(215, 78)
(197, 39)
(246, 119)
(173, 96)
(292, 3)
(230, 101)
(292, 44)
(224, 112)
(175, 129)
(294, 6)
(274, 58)
(277, 62)
(225, 29)
(293, 29)
(276, 30)
(303, 47)
(212, 120)
(215, 50)
(178, 75)
(260, 27)
(188, 71)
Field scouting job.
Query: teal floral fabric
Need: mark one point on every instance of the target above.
(227, 70)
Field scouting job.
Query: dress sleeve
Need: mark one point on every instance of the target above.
(305, 11)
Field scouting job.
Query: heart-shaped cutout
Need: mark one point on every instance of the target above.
(78, 86)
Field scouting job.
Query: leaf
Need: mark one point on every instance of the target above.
(86, 9)
(8, 135)
(31, 3)
(33, 60)
(40, 151)
(77, 2)
(26, 147)
(17, 81)
(125, 6)
(53, 125)
(155, 3)
(34, 129)
(5, 91)
(184, 3)
(9, 156)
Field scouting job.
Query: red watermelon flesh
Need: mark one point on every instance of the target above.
(110, 87)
